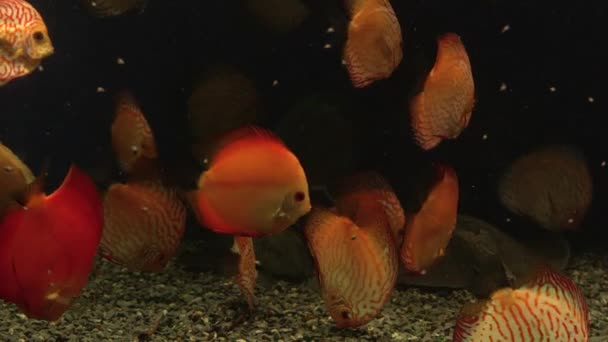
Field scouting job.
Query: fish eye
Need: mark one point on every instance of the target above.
(299, 196)
(38, 36)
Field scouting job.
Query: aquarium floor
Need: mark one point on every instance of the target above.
(180, 306)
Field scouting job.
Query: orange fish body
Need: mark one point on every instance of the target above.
(549, 308)
(132, 138)
(444, 106)
(556, 200)
(373, 47)
(370, 186)
(356, 266)
(24, 40)
(254, 186)
(429, 231)
(144, 225)
(47, 248)
(247, 273)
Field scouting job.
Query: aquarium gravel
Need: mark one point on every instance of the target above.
(180, 306)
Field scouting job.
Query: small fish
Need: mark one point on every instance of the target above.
(48, 246)
(550, 185)
(24, 40)
(132, 138)
(429, 231)
(254, 186)
(112, 8)
(356, 266)
(549, 307)
(444, 106)
(373, 48)
(371, 186)
(14, 176)
(247, 274)
(144, 225)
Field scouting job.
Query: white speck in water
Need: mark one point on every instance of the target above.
(205, 161)
(590, 99)
(275, 83)
(503, 86)
(570, 220)
(552, 89)
(343, 62)
(603, 164)
(144, 208)
(484, 137)
(473, 186)
(508, 219)
(505, 28)
(327, 46)
(94, 3)
(331, 29)
(120, 61)
(101, 89)
(40, 68)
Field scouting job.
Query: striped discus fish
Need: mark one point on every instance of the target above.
(373, 47)
(144, 225)
(444, 106)
(550, 307)
(356, 266)
(247, 274)
(430, 230)
(24, 40)
(132, 138)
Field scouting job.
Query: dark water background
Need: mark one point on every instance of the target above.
(59, 113)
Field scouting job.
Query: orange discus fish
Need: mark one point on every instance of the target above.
(254, 186)
(24, 40)
(356, 266)
(429, 231)
(373, 47)
(247, 273)
(444, 106)
(373, 187)
(47, 247)
(132, 138)
(144, 225)
(550, 307)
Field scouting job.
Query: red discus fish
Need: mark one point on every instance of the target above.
(47, 247)
(24, 40)
(356, 265)
(247, 273)
(144, 225)
(444, 106)
(430, 229)
(373, 47)
(254, 186)
(132, 138)
(550, 307)
(371, 186)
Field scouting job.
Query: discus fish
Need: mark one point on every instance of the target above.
(373, 46)
(14, 176)
(551, 185)
(550, 307)
(356, 265)
(112, 8)
(132, 138)
(254, 186)
(47, 246)
(24, 40)
(430, 229)
(247, 274)
(144, 225)
(444, 106)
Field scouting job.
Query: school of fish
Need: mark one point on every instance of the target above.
(254, 186)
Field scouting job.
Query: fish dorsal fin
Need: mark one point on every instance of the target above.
(34, 190)
(246, 134)
(536, 275)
